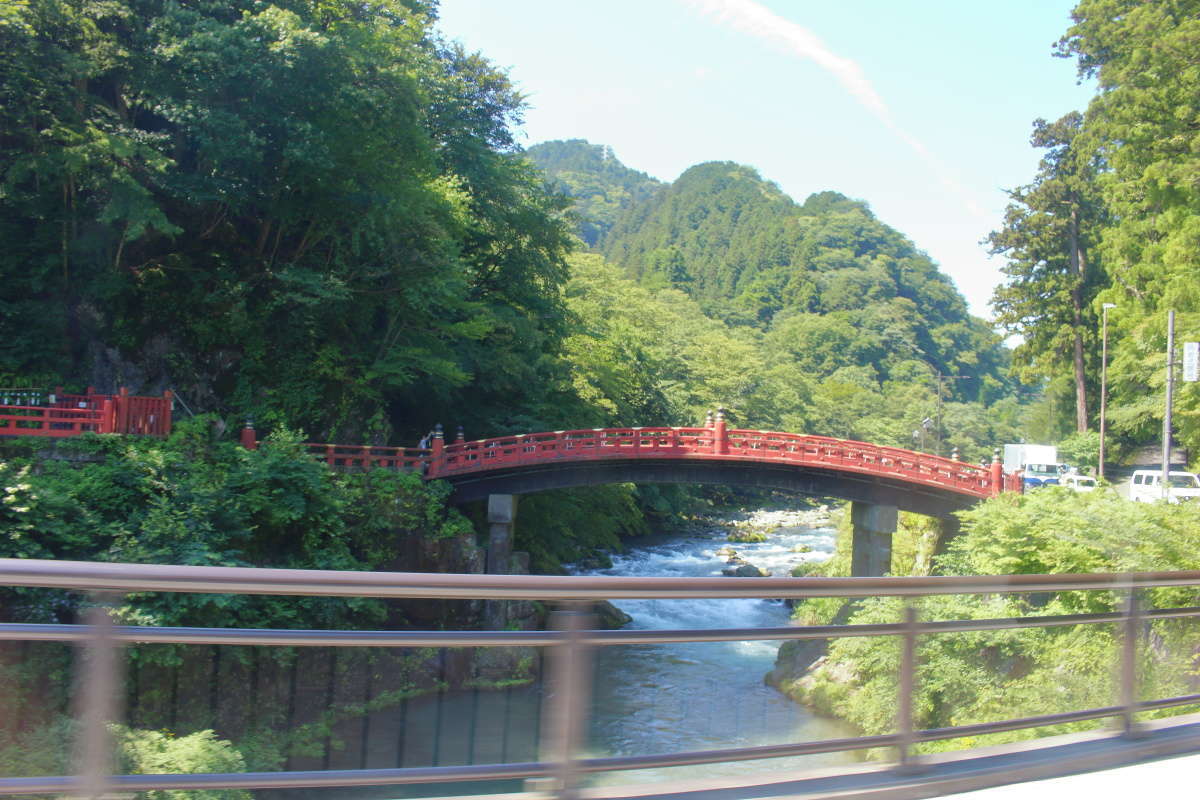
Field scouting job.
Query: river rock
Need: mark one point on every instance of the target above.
(745, 571)
(609, 617)
(747, 535)
(798, 659)
(726, 552)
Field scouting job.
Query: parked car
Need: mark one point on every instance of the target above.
(1077, 482)
(1145, 486)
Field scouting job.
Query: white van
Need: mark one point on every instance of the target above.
(1145, 486)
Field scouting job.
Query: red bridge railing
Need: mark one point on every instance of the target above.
(708, 443)
(62, 415)
(461, 457)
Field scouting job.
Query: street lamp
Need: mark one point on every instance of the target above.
(1103, 383)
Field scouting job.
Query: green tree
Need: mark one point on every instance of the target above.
(1049, 236)
(313, 212)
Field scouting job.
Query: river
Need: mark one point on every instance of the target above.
(646, 698)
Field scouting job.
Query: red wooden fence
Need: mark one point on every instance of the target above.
(60, 414)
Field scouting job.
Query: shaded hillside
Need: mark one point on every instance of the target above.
(601, 186)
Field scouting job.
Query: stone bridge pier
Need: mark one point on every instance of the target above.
(874, 526)
(501, 560)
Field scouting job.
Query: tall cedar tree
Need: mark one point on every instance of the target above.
(1049, 232)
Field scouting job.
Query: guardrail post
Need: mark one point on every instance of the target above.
(908, 679)
(565, 721)
(99, 689)
(1129, 638)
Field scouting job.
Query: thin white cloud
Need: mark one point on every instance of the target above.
(753, 19)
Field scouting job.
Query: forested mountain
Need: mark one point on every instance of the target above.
(828, 283)
(601, 186)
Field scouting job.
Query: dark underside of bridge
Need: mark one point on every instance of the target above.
(815, 482)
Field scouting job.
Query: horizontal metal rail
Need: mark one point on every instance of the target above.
(112, 577)
(277, 637)
(102, 637)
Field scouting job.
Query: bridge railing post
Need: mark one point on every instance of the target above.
(168, 408)
(997, 474)
(908, 680)
(249, 439)
(99, 700)
(565, 722)
(720, 434)
(108, 418)
(435, 451)
(1129, 639)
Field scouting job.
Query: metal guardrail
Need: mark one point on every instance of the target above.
(570, 642)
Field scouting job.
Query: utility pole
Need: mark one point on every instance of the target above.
(1103, 384)
(938, 431)
(1166, 452)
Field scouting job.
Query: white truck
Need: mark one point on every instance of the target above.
(1039, 462)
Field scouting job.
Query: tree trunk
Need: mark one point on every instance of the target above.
(1078, 265)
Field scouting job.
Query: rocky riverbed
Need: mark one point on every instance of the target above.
(764, 526)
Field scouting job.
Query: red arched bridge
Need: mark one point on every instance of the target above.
(520, 464)
(812, 465)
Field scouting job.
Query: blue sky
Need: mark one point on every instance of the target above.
(921, 108)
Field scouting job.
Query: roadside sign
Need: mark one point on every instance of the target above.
(1191, 361)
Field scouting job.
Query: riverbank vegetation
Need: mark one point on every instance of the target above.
(991, 675)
